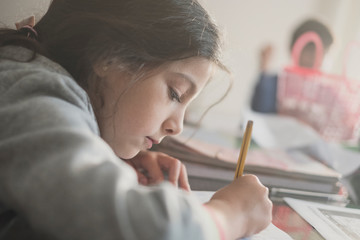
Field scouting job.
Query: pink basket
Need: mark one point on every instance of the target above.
(329, 103)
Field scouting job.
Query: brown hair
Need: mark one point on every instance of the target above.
(78, 33)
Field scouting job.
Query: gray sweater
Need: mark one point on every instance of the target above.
(60, 180)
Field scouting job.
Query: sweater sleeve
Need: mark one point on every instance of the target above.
(66, 182)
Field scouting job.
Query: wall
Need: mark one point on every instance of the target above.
(249, 24)
(12, 11)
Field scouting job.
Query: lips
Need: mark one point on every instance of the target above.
(150, 142)
(154, 141)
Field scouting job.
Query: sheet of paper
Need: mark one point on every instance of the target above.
(269, 233)
(275, 131)
(342, 160)
(332, 222)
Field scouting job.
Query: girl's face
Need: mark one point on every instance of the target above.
(136, 117)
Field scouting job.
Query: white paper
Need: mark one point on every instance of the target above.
(276, 131)
(269, 233)
(332, 222)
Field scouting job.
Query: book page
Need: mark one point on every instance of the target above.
(278, 131)
(290, 163)
(332, 222)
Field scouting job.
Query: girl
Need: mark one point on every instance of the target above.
(88, 89)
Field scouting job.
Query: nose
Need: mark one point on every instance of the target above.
(174, 124)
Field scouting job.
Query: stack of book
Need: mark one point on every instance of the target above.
(286, 172)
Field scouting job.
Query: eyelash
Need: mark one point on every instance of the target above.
(174, 95)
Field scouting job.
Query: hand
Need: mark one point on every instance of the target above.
(243, 207)
(150, 167)
(265, 55)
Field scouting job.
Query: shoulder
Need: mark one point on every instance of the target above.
(39, 75)
(41, 85)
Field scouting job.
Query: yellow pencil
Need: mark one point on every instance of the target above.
(243, 150)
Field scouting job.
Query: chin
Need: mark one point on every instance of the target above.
(127, 154)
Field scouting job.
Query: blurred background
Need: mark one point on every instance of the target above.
(247, 25)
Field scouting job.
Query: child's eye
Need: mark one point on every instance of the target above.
(173, 95)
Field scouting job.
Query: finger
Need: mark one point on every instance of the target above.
(172, 166)
(142, 178)
(136, 161)
(130, 163)
(154, 172)
(183, 179)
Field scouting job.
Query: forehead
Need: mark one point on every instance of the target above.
(194, 64)
(196, 70)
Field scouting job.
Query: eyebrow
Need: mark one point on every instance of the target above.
(189, 79)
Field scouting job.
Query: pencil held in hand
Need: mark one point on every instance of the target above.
(243, 150)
